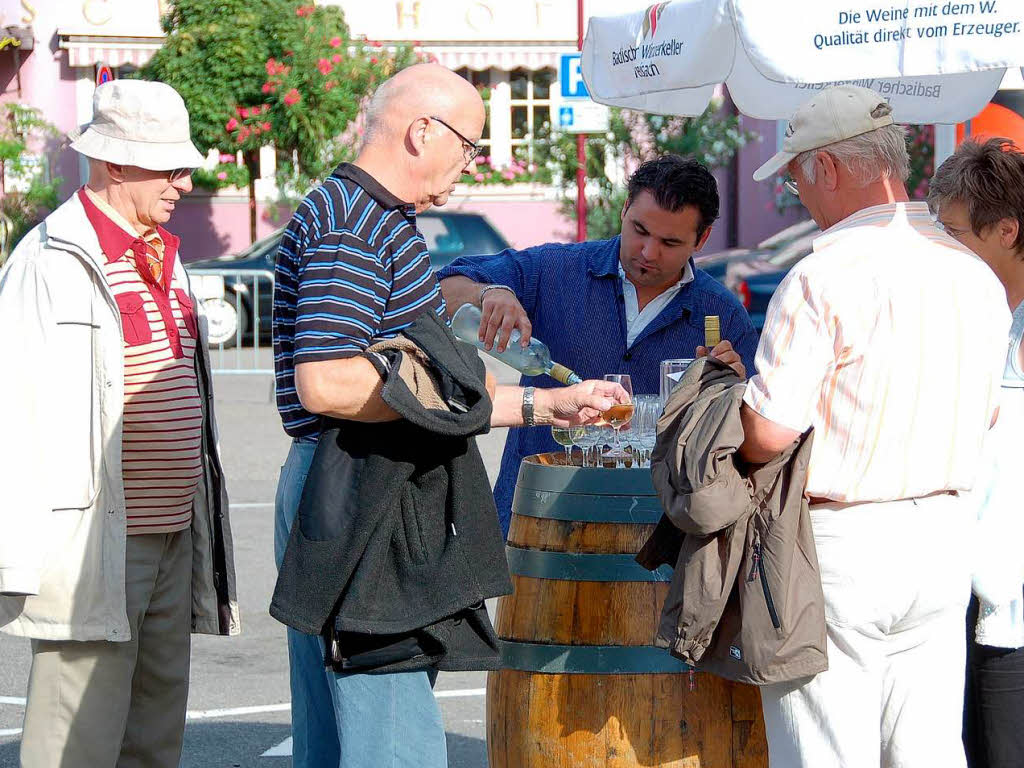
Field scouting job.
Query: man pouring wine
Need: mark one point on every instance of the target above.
(609, 306)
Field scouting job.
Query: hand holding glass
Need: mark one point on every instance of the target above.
(619, 414)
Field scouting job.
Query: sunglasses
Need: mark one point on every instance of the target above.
(470, 149)
(178, 173)
(791, 186)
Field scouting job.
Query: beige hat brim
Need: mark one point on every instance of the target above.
(153, 156)
(777, 162)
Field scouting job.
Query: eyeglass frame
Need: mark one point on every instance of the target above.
(177, 174)
(474, 148)
(790, 184)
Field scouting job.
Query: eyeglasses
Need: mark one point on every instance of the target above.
(470, 149)
(178, 173)
(791, 186)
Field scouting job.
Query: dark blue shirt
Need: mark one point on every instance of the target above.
(573, 296)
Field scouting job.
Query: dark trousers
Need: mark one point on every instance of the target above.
(994, 703)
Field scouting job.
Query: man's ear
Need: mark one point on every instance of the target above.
(703, 239)
(828, 170)
(418, 135)
(625, 207)
(116, 172)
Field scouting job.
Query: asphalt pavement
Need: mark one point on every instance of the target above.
(238, 708)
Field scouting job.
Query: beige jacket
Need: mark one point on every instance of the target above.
(745, 601)
(62, 507)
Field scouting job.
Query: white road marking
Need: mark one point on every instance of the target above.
(209, 714)
(284, 749)
(12, 700)
(459, 692)
(10, 732)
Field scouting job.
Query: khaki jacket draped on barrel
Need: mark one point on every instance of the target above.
(745, 600)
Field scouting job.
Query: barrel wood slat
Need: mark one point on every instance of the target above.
(639, 710)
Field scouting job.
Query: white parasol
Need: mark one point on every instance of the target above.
(936, 62)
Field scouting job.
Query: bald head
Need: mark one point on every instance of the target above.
(422, 90)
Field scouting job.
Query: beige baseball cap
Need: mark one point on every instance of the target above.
(836, 113)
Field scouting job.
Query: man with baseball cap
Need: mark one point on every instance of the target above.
(889, 342)
(114, 535)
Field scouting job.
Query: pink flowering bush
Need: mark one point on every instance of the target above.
(487, 174)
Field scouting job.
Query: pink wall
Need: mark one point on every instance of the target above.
(216, 226)
(523, 222)
(47, 82)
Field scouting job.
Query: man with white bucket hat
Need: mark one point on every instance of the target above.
(114, 534)
(889, 342)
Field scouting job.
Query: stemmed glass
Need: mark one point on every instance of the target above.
(567, 437)
(644, 427)
(619, 414)
(587, 441)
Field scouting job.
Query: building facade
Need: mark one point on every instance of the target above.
(509, 48)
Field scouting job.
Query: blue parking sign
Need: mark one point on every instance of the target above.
(565, 117)
(571, 77)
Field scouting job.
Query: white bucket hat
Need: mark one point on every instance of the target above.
(835, 114)
(140, 123)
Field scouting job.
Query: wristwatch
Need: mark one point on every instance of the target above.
(528, 417)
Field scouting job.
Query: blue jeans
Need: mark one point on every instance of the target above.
(351, 720)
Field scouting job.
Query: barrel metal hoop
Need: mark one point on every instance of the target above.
(589, 659)
(597, 481)
(571, 566)
(582, 508)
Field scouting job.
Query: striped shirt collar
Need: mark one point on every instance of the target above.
(384, 198)
(915, 214)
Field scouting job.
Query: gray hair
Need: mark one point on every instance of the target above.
(871, 156)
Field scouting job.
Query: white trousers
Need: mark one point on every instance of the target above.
(896, 578)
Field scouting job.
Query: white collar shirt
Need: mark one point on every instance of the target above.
(637, 319)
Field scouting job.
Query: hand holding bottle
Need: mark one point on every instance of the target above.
(723, 351)
(579, 404)
(501, 313)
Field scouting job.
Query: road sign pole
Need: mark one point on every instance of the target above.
(581, 150)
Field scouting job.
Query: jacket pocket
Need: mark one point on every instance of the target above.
(134, 322)
(412, 529)
(188, 313)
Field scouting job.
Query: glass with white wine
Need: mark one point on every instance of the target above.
(619, 414)
(567, 437)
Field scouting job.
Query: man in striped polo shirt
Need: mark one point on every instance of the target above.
(353, 269)
(114, 538)
(889, 341)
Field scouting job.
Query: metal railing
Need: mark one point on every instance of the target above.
(237, 305)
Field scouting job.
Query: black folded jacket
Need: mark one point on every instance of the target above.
(396, 542)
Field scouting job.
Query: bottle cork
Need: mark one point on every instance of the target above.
(712, 332)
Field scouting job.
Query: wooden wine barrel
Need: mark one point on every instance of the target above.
(582, 683)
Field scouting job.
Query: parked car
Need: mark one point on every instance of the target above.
(719, 264)
(228, 297)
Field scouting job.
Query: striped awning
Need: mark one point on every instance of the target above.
(89, 50)
(484, 56)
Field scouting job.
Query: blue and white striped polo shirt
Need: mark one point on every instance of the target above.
(352, 269)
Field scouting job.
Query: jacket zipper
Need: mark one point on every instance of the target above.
(757, 570)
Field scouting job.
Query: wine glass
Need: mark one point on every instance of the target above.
(619, 414)
(645, 425)
(567, 437)
(587, 440)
